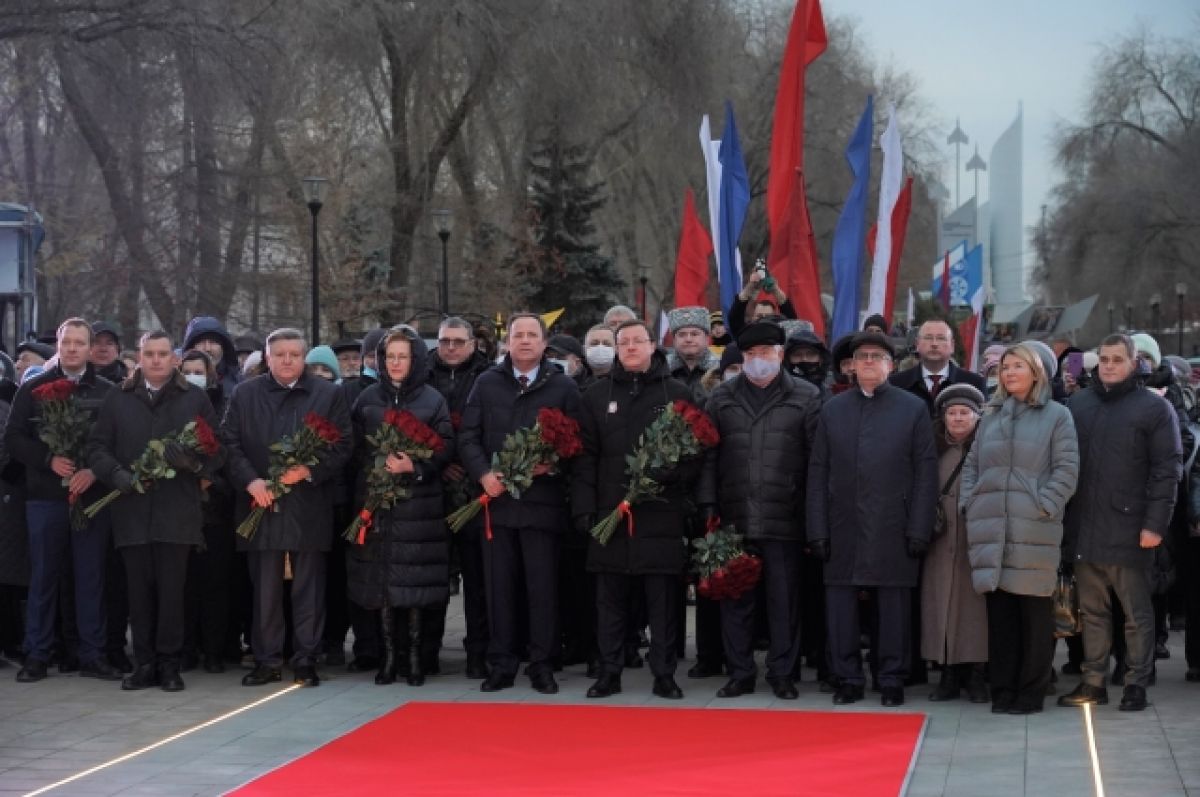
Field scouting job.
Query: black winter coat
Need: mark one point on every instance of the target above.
(169, 511)
(1129, 463)
(261, 412)
(615, 413)
(14, 538)
(455, 382)
(756, 476)
(25, 447)
(497, 405)
(405, 560)
(872, 482)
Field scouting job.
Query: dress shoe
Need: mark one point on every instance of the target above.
(32, 672)
(1134, 699)
(891, 696)
(495, 682)
(118, 659)
(260, 675)
(306, 675)
(168, 676)
(363, 664)
(847, 694)
(143, 676)
(784, 688)
(1192, 675)
(665, 686)
(704, 669)
(949, 687)
(100, 669)
(633, 659)
(544, 682)
(213, 664)
(735, 688)
(1161, 651)
(1085, 693)
(476, 666)
(605, 686)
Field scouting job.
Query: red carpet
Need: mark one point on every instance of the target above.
(521, 749)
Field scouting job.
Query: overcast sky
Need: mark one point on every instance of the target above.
(976, 59)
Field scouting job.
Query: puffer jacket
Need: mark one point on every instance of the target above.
(405, 559)
(756, 476)
(1015, 486)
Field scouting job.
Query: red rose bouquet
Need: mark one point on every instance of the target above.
(400, 432)
(63, 426)
(304, 447)
(724, 568)
(680, 433)
(152, 465)
(554, 437)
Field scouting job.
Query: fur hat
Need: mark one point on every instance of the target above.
(682, 317)
(959, 393)
(760, 333)
(791, 326)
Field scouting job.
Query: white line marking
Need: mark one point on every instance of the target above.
(1091, 734)
(161, 742)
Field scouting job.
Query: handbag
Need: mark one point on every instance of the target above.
(940, 513)
(1067, 620)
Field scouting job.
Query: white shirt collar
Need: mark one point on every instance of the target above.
(531, 374)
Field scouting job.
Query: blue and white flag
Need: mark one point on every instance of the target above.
(731, 214)
(848, 246)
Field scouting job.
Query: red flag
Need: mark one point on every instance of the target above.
(691, 263)
(793, 260)
(945, 287)
(900, 215)
(966, 333)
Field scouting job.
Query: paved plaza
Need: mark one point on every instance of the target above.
(65, 725)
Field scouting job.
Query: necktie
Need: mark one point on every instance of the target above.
(524, 380)
(936, 384)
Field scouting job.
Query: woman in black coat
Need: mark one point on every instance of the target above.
(404, 562)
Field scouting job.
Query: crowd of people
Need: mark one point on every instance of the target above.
(909, 515)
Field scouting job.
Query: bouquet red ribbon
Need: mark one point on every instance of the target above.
(151, 466)
(554, 437)
(63, 426)
(724, 568)
(682, 431)
(303, 447)
(400, 432)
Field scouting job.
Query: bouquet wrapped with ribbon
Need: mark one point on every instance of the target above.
(554, 437)
(682, 431)
(151, 466)
(304, 447)
(63, 426)
(724, 567)
(400, 433)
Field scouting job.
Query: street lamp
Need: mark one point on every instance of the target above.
(1111, 308)
(1129, 316)
(1180, 292)
(314, 197)
(444, 220)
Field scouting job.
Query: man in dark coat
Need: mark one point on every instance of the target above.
(872, 488)
(525, 531)
(209, 336)
(51, 538)
(1130, 455)
(105, 353)
(755, 481)
(154, 530)
(262, 411)
(652, 559)
(454, 367)
(935, 346)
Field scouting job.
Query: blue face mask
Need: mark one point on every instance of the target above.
(369, 371)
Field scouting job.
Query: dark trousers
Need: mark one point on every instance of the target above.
(812, 616)
(475, 608)
(504, 556)
(156, 574)
(577, 603)
(116, 603)
(710, 649)
(892, 652)
(1131, 587)
(781, 594)
(337, 602)
(51, 541)
(210, 582)
(308, 606)
(1020, 646)
(614, 619)
(1190, 576)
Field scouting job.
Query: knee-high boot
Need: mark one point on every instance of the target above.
(387, 662)
(416, 672)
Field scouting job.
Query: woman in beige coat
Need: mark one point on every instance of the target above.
(953, 615)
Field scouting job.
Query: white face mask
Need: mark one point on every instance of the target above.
(600, 356)
(199, 380)
(759, 369)
(730, 375)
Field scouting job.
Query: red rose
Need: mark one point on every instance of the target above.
(323, 428)
(206, 437)
(58, 390)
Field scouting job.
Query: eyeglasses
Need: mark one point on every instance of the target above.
(625, 344)
(870, 357)
(452, 343)
(936, 338)
(398, 358)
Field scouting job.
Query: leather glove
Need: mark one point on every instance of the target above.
(122, 480)
(180, 457)
(820, 549)
(916, 548)
(584, 523)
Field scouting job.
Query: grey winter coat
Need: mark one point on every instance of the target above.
(1016, 482)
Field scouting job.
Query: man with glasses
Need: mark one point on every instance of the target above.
(935, 347)
(871, 531)
(454, 367)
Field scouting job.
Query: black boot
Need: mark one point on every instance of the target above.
(977, 691)
(416, 669)
(948, 687)
(387, 665)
